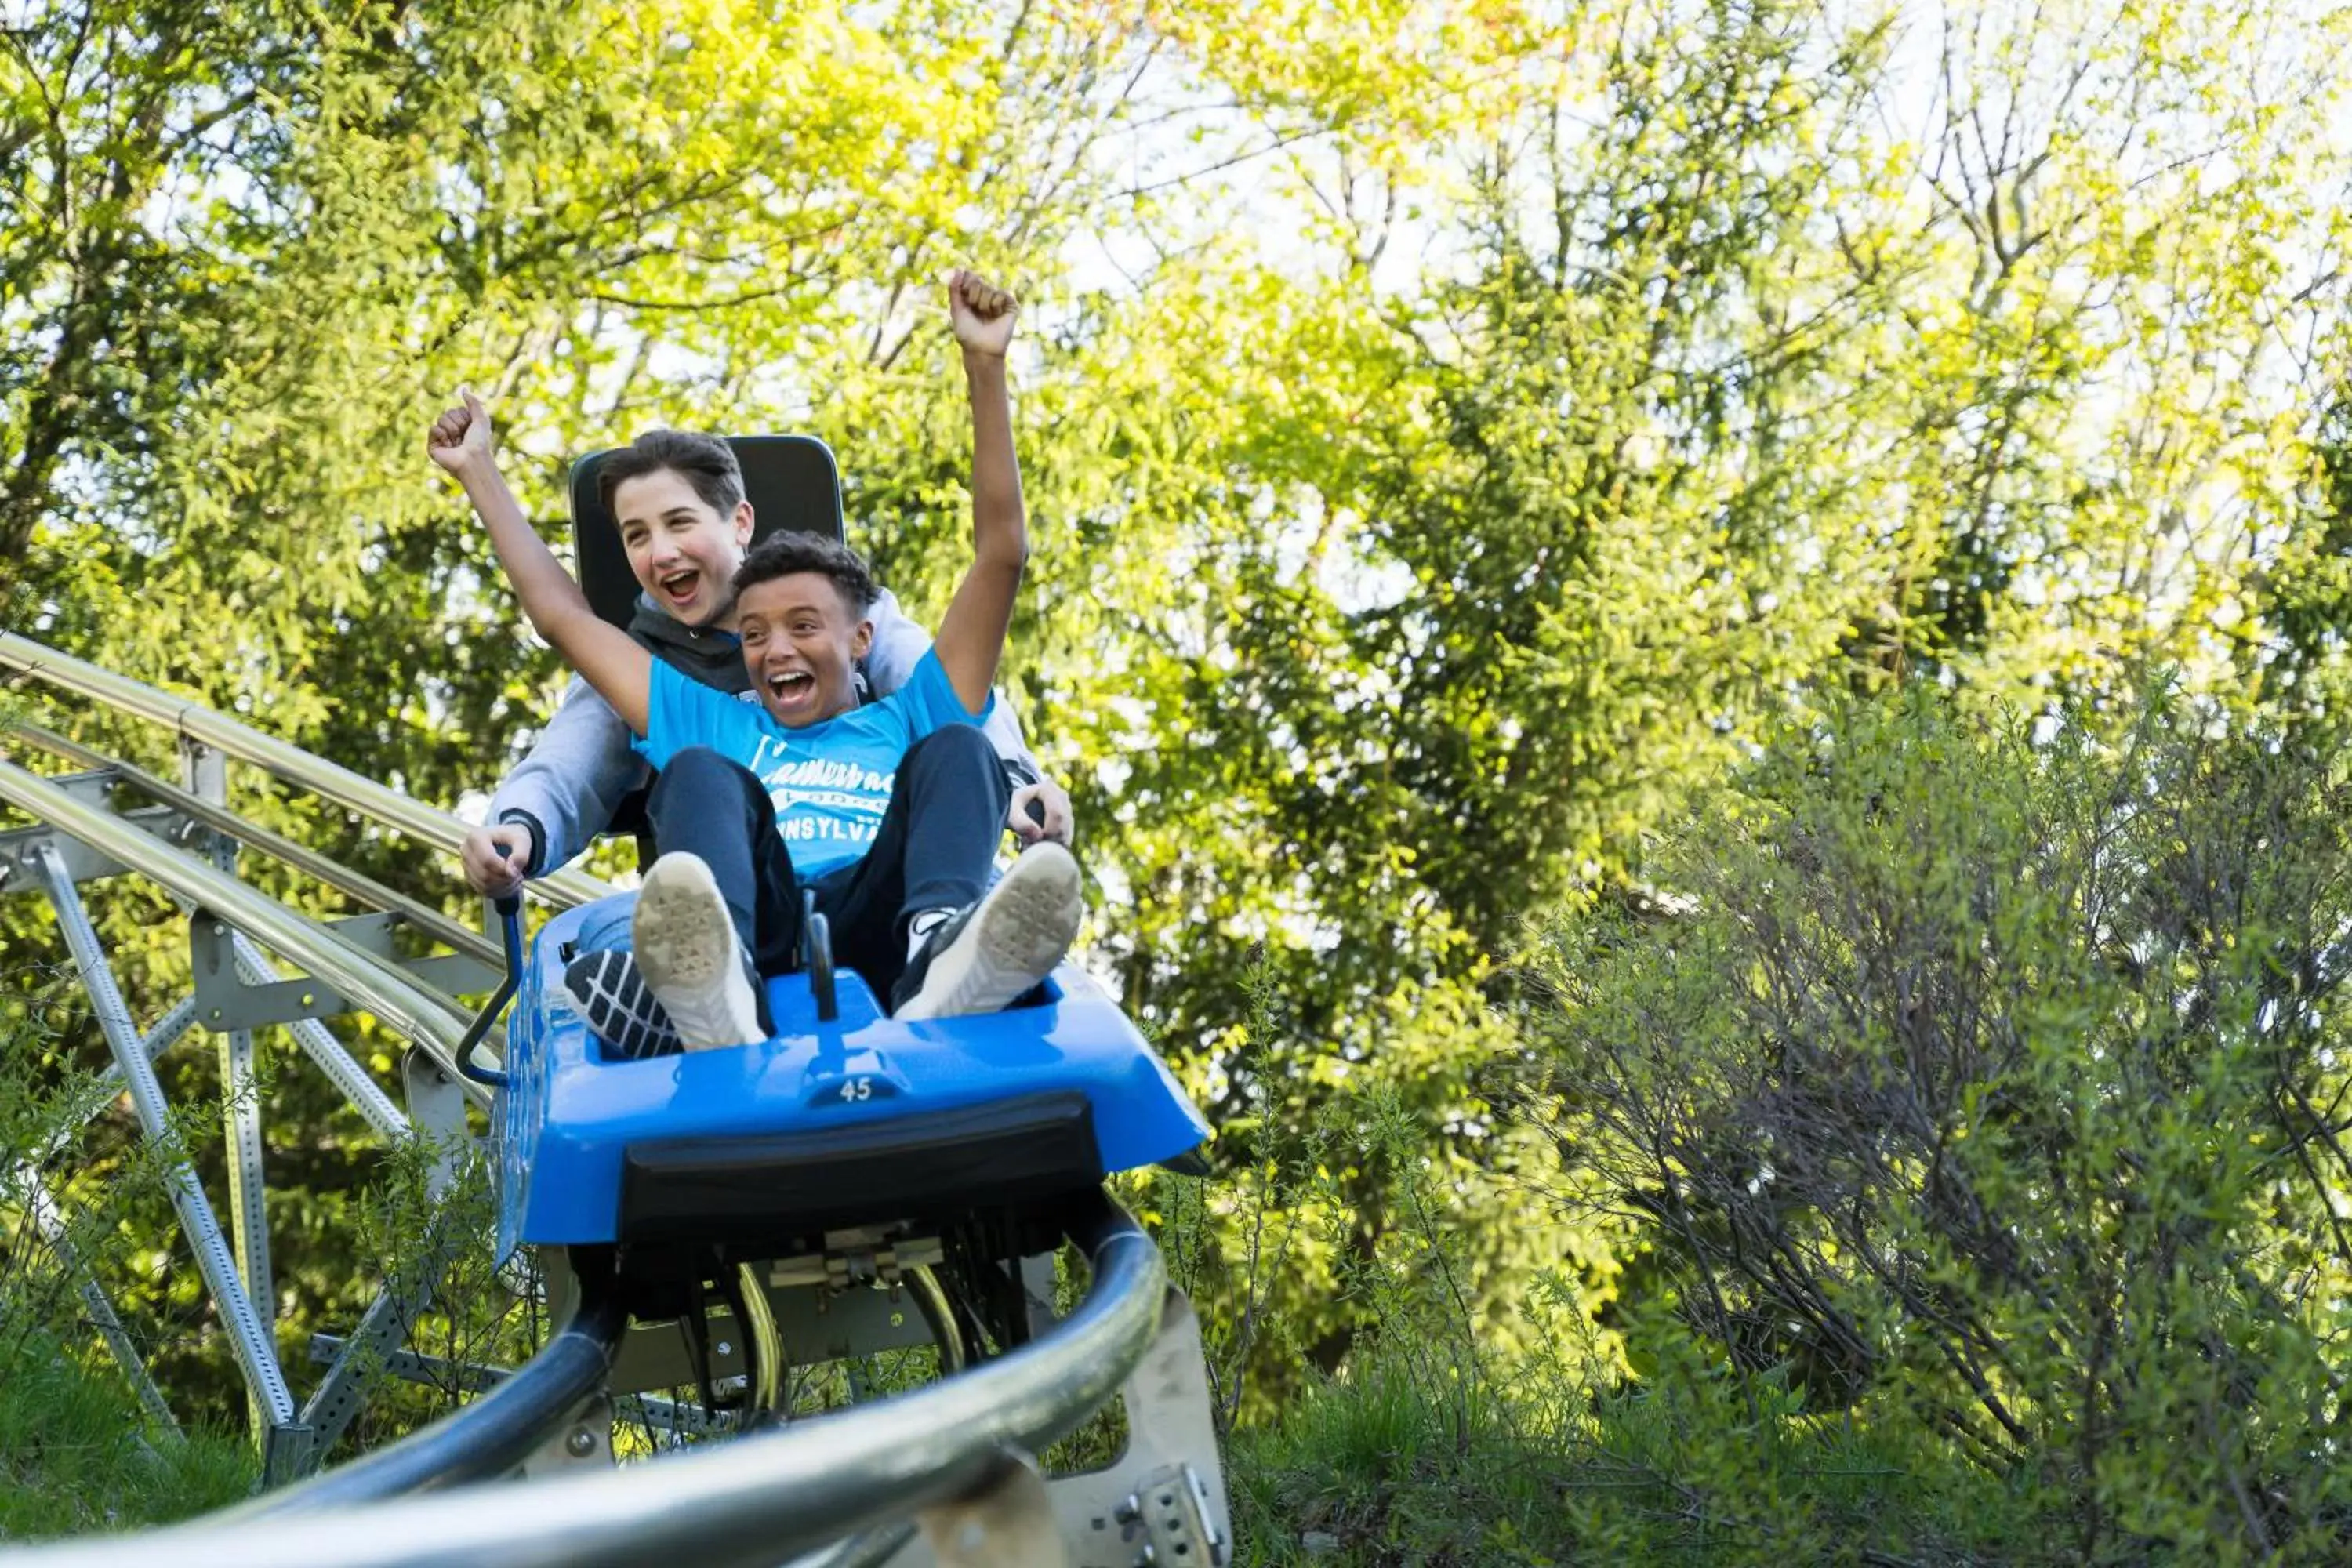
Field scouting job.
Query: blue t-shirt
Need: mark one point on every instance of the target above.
(830, 781)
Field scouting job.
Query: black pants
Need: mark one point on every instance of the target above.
(934, 850)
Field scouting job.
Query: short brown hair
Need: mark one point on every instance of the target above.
(706, 462)
(786, 554)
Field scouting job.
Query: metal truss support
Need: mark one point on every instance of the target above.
(51, 1221)
(190, 844)
(362, 1359)
(257, 1356)
(152, 1045)
(434, 1021)
(325, 1051)
(206, 772)
(248, 1214)
(373, 1348)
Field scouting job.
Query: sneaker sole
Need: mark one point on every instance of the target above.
(1020, 931)
(609, 992)
(686, 951)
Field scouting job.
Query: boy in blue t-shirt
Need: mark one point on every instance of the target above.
(891, 813)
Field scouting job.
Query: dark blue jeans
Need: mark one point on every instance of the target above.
(934, 850)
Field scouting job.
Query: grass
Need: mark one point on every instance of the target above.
(76, 1457)
(1376, 1471)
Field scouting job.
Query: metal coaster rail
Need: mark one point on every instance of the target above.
(367, 889)
(425, 824)
(840, 1488)
(753, 1501)
(424, 1016)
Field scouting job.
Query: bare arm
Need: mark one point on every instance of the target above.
(898, 646)
(603, 654)
(972, 635)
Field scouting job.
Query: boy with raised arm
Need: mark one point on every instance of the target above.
(677, 500)
(891, 813)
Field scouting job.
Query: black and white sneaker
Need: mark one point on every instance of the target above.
(690, 956)
(621, 1008)
(988, 953)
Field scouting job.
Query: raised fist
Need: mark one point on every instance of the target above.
(461, 437)
(982, 313)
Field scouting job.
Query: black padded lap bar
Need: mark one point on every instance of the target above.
(789, 481)
(944, 1161)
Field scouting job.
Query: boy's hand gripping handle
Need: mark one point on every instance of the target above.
(510, 910)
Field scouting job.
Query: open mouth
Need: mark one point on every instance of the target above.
(681, 586)
(788, 688)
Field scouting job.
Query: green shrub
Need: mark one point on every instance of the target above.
(1987, 1084)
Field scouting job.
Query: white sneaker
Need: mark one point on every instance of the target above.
(988, 953)
(688, 953)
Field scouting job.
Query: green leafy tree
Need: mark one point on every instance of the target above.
(695, 216)
(1454, 436)
(1982, 1085)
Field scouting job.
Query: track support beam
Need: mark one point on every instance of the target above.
(257, 1356)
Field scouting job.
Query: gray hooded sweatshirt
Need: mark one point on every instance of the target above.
(581, 768)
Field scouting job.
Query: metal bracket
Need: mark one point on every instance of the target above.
(869, 1255)
(1161, 1503)
(436, 1110)
(1007, 1521)
(224, 1001)
(19, 847)
(1179, 1527)
(585, 1439)
(289, 1450)
(1165, 1491)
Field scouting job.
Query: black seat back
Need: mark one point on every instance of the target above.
(791, 481)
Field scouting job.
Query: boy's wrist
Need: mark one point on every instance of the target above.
(530, 824)
(981, 361)
(478, 470)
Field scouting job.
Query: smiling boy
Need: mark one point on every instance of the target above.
(891, 813)
(678, 502)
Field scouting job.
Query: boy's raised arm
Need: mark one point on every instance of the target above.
(603, 654)
(972, 635)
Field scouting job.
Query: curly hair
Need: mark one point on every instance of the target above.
(785, 555)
